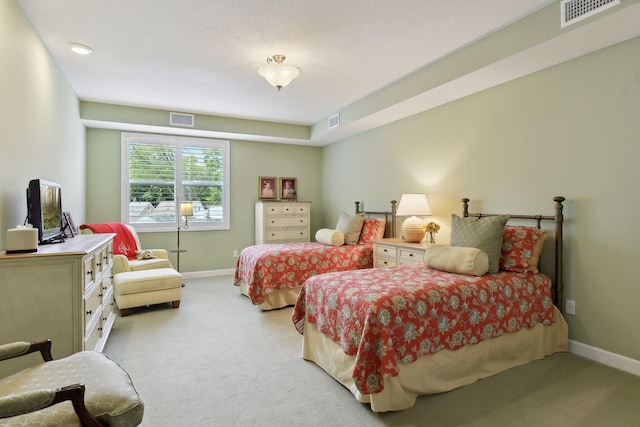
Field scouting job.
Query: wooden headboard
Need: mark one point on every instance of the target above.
(557, 286)
(390, 228)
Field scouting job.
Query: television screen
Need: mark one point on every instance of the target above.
(44, 210)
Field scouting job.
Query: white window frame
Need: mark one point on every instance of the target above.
(178, 142)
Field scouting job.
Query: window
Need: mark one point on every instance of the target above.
(161, 171)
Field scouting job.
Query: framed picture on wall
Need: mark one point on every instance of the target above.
(267, 187)
(288, 188)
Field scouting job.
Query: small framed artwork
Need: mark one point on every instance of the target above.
(68, 227)
(288, 188)
(267, 187)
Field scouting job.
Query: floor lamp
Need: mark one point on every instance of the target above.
(186, 210)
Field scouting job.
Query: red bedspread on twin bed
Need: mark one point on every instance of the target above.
(387, 316)
(275, 266)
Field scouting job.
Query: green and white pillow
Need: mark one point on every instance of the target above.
(482, 233)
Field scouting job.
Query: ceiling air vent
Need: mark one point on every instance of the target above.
(572, 11)
(334, 121)
(181, 119)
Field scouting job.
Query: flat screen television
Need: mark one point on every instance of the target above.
(44, 210)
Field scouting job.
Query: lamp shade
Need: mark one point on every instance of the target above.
(413, 204)
(186, 209)
(278, 74)
(413, 228)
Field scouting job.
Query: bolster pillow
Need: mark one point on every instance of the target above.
(330, 237)
(457, 259)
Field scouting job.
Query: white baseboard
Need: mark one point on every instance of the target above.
(613, 360)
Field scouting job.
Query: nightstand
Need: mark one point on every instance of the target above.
(392, 252)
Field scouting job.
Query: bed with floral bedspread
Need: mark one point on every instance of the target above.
(271, 274)
(264, 269)
(392, 334)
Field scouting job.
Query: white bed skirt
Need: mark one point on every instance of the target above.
(440, 372)
(277, 299)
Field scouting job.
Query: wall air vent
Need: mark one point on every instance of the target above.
(334, 121)
(181, 119)
(572, 11)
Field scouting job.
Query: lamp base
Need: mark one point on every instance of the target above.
(413, 229)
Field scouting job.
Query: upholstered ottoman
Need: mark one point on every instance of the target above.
(146, 287)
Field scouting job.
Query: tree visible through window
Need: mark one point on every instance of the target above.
(160, 172)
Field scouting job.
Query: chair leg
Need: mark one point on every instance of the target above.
(175, 304)
(124, 312)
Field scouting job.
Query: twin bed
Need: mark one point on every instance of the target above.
(271, 274)
(392, 334)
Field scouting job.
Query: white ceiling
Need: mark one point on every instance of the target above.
(202, 56)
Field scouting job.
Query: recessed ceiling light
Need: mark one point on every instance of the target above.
(80, 49)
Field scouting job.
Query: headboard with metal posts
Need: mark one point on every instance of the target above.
(558, 218)
(390, 229)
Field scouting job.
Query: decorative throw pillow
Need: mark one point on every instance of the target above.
(372, 229)
(483, 233)
(350, 225)
(521, 247)
(330, 237)
(457, 259)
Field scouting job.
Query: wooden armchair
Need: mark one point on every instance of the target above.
(86, 388)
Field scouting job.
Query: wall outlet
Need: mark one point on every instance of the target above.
(235, 253)
(570, 307)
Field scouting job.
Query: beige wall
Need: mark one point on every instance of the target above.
(207, 250)
(571, 130)
(41, 135)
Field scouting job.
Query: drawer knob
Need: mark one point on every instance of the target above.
(410, 254)
(89, 273)
(384, 250)
(89, 313)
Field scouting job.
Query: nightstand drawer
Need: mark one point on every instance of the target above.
(391, 252)
(384, 262)
(386, 251)
(410, 256)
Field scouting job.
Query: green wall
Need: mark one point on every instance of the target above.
(41, 135)
(571, 130)
(207, 250)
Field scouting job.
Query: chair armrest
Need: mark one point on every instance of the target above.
(20, 348)
(24, 403)
(160, 253)
(120, 264)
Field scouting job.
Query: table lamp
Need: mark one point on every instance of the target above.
(413, 228)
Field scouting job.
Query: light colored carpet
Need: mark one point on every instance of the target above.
(220, 361)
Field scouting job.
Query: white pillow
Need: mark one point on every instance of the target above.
(351, 226)
(457, 259)
(330, 237)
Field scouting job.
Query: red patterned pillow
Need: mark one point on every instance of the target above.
(521, 247)
(372, 229)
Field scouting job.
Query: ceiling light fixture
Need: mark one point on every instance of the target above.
(276, 73)
(80, 49)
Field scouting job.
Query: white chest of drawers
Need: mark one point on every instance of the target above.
(63, 292)
(282, 222)
(392, 252)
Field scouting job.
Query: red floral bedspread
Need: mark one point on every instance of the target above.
(274, 266)
(387, 316)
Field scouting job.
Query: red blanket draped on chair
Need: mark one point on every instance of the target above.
(123, 243)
